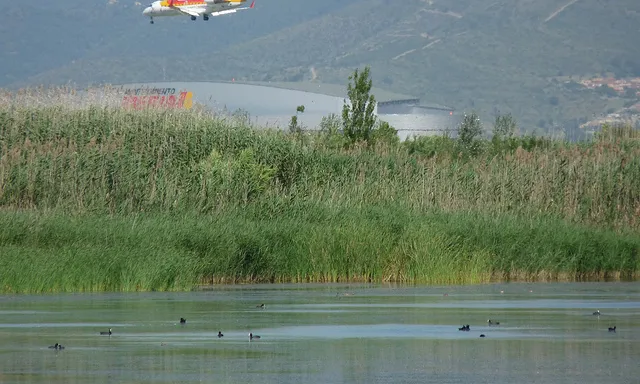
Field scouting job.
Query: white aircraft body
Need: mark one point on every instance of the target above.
(194, 8)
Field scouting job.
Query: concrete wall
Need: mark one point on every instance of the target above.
(409, 125)
(412, 119)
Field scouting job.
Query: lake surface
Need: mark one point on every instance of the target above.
(327, 334)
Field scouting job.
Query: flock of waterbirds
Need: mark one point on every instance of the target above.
(611, 329)
(183, 321)
(467, 328)
(464, 328)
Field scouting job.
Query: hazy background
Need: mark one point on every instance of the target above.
(519, 56)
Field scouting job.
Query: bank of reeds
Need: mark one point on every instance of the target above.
(116, 161)
(111, 199)
(57, 252)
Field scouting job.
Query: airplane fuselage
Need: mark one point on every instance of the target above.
(152, 11)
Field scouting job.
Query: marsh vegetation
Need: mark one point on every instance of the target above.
(102, 198)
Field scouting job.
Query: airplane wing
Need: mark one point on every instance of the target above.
(192, 11)
(234, 10)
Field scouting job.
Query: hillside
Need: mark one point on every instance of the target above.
(469, 54)
(69, 40)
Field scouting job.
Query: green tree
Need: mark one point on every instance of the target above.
(294, 127)
(358, 117)
(330, 124)
(240, 177)
(293, 124)
(330, 132)
(469, 131)
(504, 127)
(385, 133)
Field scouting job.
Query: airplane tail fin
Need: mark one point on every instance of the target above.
(253, 3)
(170, 3)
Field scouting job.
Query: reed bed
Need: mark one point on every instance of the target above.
(55, 252)
(103, 198)
(117, 161)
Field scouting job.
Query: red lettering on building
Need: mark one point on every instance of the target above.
(183, 100)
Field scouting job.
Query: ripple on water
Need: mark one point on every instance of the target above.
(399, 331)
(378, 334)
(483, 304)
(62, 325)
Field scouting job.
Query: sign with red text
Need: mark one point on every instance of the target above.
(170, 98)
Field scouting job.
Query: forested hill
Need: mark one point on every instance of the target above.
(515, 56)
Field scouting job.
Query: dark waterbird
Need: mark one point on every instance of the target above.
(465, 328)
(490, 322)
(183, 320)
(252, 336)
(596, 313)
(482, 335)
(56, 346)
(612, 329)
(260, 306)
(106, 333)
(220, 334)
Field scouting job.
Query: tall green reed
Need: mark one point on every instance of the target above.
(113, 160)
(142, 200)
(53, 252)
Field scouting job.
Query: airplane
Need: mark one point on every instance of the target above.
(194, 8)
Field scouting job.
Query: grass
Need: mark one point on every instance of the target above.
(113, 161)
(105, 199)
(58, 253)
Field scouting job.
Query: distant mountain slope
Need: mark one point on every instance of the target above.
(485, 55)
(46, 36)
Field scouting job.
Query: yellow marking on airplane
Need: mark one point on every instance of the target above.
(182, 3)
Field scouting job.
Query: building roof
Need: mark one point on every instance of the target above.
(335, 90)
(434, 106)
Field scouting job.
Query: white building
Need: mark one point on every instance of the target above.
(273, 104)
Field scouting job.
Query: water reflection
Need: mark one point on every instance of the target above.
(547, 334)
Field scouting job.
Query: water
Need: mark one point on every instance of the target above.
(327, 334)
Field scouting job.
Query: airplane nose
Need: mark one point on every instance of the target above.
(147, 11)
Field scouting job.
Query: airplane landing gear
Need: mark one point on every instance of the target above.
(151, 22)
(205, 17)
(193, 17)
